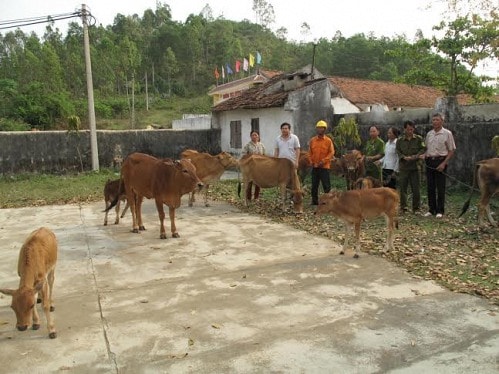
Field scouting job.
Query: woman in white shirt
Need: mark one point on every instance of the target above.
(390, 162)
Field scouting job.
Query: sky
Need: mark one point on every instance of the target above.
(388, 18)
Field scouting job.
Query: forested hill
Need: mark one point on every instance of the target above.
(42, 80)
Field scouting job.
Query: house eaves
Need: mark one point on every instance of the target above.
(393, 95)
(271, 94)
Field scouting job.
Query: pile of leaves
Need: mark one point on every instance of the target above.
(455, 252)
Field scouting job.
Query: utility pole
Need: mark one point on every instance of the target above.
(90, 91)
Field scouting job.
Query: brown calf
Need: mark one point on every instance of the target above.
(486, 174)
(36, 267)
(111, 190)
(354, 206)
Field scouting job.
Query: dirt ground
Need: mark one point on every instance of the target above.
(234, 294)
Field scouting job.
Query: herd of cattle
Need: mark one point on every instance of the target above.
(166, 181)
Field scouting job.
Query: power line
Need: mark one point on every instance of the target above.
(20, 22)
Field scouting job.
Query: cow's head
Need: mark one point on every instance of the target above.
(352, 161)
(188, 174)
(227, 160)
(326, 201)
(23, 302)
(298, 201)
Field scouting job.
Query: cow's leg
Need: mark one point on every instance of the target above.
(124, 210)
(46, 309)
(36, 317)
(105, 216)
(247, 190)
(132, 198)
(117, 209)
(50, 279)
(192, 198)
(489, 216)
(172, 223)
(348, 230)
(283, 196)
(484, 208)
(139, 213)
(390, 225)
(161, 214)
(357, 239)
(206, 188)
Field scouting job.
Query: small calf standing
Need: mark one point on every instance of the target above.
(111, 190)
(36, 267)
(354, 206)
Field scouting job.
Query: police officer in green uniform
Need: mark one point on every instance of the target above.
(410, 147)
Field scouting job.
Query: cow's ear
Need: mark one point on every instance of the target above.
(7, 291)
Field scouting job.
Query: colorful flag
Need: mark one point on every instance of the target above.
(258, 58)
(245, 64)
(217, 75)
(238, 66)
(223, 72)
(229, 70)
(251, 60)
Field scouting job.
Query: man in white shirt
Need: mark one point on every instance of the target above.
(287, 145)
(440, 148)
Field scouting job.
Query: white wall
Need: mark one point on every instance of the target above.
(192, 122)
(270, 127)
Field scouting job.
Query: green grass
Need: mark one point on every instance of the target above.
(22, 190)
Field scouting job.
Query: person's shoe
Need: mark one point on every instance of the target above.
(439, 215)
(427, 214)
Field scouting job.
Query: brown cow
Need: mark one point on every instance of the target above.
(111, 189)
(367, 182)
(36, 268)
(353, 167)
(208, 168)
(266, 172)
(164, 180)
(354, 206)
(486, 174)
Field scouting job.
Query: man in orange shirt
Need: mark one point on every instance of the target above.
(320, 154)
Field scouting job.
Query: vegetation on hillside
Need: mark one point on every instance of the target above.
(42, 80)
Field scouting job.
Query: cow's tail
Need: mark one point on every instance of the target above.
(467, 203)
(121, 190)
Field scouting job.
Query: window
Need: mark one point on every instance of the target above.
(235, 134)
(255, 124)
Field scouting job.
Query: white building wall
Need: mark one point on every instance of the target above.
(270, 127)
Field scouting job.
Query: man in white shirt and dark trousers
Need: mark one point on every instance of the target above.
(440, 148)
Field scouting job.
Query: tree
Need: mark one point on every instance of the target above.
(264, 12)
(466, 41)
